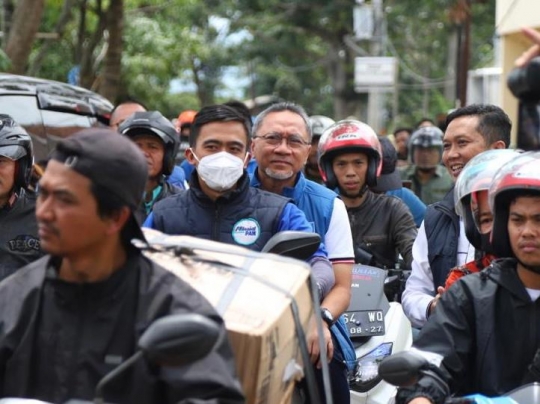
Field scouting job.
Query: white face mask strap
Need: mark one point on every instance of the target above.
(194, 155)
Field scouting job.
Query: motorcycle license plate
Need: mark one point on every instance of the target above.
(366, 323)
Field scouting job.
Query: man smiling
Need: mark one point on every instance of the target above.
(441, 243)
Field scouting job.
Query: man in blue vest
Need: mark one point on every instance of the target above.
(441, 243)
(220, 205)
(281, 145)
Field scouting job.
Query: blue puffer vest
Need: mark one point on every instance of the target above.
(246, 216)
(442, 232)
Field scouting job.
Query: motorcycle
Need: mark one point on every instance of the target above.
(405, 368)
(378, 328)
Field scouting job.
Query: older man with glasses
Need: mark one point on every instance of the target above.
(281, 145)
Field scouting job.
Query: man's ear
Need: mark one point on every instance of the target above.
(247, 159)
(499, 144)
(118, 219)
(190, 156)
(307, 155)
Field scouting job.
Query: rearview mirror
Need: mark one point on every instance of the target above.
(296, 244)
(179, 339)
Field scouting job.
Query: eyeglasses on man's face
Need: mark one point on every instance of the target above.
(275, 139)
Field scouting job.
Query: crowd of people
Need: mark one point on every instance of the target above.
(456, 207)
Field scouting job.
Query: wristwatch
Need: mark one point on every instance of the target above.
(327, 316)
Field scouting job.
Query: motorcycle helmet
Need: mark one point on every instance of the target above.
(319, 123)
(426, 137)
(518, 176)
(16, 144)
(349, 136)
(186, 118)
(477, 176)
(152, 122)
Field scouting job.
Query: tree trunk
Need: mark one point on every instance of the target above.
(64, 18)
(112, 69)
(24, 27)
(88, 42)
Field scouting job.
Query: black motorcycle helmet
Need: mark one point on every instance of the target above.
(153, 123)
(426, 137)
(16, 144)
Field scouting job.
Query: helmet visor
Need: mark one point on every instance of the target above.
(12, 152)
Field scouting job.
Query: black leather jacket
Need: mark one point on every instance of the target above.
(384, 227)
(19, 240)
(487, 329)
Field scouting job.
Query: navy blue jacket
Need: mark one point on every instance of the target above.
(442, 232)
(245, 216)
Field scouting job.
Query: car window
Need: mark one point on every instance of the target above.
(24, 109)
(59, 125)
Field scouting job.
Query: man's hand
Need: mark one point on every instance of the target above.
(313, 344)
(533, 51)
(440, 291)
(420, 400)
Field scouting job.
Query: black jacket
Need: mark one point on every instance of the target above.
(19, 240)
(441, 224)
(383, 226)
(30, 359)
(487, 329)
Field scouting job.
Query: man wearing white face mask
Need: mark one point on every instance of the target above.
(220, 205)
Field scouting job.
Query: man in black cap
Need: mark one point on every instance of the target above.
(74, 315)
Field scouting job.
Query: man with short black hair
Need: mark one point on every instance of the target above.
(71, 317)
(441, 243)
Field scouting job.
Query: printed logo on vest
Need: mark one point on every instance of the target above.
(246, 231)
(24, 244)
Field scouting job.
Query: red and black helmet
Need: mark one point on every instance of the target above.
(349, 136)
(519, 176)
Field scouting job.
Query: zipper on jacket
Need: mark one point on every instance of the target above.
(75, 353)
(215, 232)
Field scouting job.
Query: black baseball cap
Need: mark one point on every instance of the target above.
(111, 161)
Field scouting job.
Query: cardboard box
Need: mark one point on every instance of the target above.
(258, 317)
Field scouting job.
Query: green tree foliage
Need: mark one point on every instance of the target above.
(297, 50)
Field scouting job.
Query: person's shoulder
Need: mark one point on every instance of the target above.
(268, 196)
(442, 173)
(407, 172)
(171, 201)
(392, 201)
(316, 189)
(20, 284)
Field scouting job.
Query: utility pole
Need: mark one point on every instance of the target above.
(375, 98)
(461, 14)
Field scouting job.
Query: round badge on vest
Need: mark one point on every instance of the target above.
(246, 231)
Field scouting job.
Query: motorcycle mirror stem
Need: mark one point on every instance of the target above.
(174, 340)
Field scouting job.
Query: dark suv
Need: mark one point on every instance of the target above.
(50, 110)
